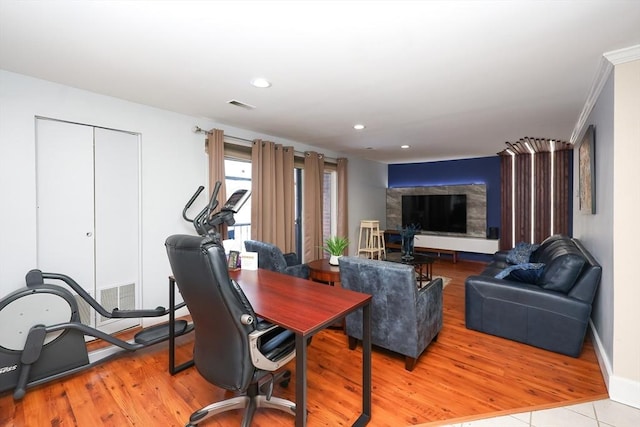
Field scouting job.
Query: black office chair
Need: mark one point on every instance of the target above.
(233, 348)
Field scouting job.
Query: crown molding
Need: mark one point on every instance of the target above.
(607, 62)
(602, 74)
(621, 56)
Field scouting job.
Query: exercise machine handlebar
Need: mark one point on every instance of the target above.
(36, 277)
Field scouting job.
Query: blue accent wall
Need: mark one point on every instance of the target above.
(482, 170)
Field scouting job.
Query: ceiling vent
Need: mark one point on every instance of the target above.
(241, 104)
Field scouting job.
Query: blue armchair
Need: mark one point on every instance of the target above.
(404, 319)
(270, 257)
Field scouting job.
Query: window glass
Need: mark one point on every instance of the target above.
(238, 177)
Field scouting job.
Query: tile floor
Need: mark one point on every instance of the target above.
(601, 413)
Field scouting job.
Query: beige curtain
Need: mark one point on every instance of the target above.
(272, 194)
(312, 210)
(214, 147)
(343, 198)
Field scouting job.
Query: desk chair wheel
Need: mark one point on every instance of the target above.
(286, 379)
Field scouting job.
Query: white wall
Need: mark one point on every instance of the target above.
(612, 233)
(173, 165)
(626, 175)
(367, 196)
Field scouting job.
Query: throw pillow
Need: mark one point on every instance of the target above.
(527, 272)
(520, 253)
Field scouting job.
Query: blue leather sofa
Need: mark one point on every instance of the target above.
(549, 309)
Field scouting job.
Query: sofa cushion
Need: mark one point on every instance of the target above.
(561, 274)
(551, 247)
(525, 272)
(521, 253)
(528, 275)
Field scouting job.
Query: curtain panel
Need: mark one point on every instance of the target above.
(272, 194)
(313, 178)
(214, 146)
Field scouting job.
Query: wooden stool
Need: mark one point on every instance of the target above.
(371, 239)
(380, 239)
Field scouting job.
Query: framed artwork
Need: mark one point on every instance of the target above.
(233, 261)
(587, 171)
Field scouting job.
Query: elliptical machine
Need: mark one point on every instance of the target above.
(42, 338)
(206, 222)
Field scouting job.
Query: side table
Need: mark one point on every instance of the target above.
(321, 271)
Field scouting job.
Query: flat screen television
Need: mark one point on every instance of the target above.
(436, 212)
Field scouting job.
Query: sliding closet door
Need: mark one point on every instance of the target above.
(65, 220)
(116, 217)
(88, 213)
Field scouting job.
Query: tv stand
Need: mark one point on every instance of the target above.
(433, 243)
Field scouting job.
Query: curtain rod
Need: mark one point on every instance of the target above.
(198, 129)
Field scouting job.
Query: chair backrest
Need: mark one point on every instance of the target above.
(394, 290)
(270, 256)
(216, 304)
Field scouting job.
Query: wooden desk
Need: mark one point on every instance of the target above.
(306, 308)
(320, 270)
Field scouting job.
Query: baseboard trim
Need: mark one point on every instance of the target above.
(621, 390)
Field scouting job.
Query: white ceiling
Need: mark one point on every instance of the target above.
(450, 78)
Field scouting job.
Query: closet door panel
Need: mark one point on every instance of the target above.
(65, 217)
(117, 208)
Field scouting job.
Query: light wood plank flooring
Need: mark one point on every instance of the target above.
(464, 375)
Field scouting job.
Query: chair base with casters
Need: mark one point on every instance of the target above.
(233, 349)
(251, 401)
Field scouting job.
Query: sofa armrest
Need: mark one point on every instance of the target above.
(526, 313)
(500, 257)
(525, 294)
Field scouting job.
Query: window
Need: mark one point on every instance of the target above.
(238, 177)
(329, 201)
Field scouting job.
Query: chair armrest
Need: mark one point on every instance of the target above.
(430, 293)
(300, 270)
(291, 259)
(429, 308)
(259, 359)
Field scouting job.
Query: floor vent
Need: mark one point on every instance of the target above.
(122, 297)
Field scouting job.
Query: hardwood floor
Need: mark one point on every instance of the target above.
(463, 375)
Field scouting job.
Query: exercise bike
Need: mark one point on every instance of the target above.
(42, 338)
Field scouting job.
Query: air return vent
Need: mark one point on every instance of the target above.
(241, 104)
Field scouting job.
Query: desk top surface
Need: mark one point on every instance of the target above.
(300, 305)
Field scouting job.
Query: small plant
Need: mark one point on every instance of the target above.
(335, 245)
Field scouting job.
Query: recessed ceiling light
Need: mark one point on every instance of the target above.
(358, 127)
(261, 83)
(405, 146)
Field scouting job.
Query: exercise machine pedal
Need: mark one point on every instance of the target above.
(155, 334)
